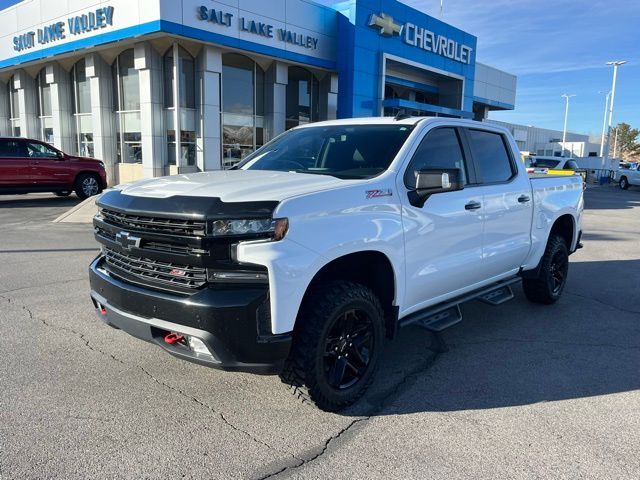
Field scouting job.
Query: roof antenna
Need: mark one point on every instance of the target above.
(401, 115)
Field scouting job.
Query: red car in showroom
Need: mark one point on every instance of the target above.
(28, 166)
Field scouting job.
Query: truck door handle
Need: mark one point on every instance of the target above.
(524, 198)
(473, 205)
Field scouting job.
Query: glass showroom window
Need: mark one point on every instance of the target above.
(242, 108)
(185, 66)
(303, 97)
(126, 94)
(14, 108)
(81, 97)
(45, 120)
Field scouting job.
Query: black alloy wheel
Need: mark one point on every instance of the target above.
(337, 344)
(348, 349)
(558, 271)
(550, 277)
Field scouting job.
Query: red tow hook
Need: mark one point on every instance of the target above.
(173, 338)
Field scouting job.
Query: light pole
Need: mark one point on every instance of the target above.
(566, 117)
(615, 65)
(604, 122)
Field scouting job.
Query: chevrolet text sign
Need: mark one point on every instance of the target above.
(419, 37)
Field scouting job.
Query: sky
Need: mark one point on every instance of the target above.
(555, 47)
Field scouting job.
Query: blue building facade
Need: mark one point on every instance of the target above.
(377, 35)
(155, 87)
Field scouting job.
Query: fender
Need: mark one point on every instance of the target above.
(351, 221)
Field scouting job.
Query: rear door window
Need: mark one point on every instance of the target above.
(440, 148)
(12, 149)
(489, 151)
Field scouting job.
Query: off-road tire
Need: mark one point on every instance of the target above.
(624, 183)
(544, 287)
(81, 185)
(323, 310)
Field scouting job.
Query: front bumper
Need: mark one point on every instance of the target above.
(233, 322)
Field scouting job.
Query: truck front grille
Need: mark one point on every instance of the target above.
(173, 226)
(185, 276)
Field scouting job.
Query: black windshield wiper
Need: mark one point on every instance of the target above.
(314, 172)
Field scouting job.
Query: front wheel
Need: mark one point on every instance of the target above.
(87, 185)
(337, 343)
(547, 286)
(64, 193)
(624, 183)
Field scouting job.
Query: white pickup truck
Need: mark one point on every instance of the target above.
(318, 247)
(628, 176)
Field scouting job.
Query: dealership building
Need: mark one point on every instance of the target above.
(156, 87)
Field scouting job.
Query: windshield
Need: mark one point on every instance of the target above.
(343, 151)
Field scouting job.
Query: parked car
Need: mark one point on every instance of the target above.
(628, 176)
(28, 166)
(323, 243)
(552, 163)
(554, 166)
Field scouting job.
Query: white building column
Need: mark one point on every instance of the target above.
(329, 97)
(27, 98)
(5, 127)
(275, 109)
(148, 62)
(63, 130)
(104, 133)
(209, 141)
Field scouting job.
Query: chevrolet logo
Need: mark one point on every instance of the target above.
(387, 25)
(127, 241)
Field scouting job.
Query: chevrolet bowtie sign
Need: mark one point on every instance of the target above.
(422, 38)
(387, 25)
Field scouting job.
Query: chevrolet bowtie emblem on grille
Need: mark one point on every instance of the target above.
(127, 241)
(386, 24)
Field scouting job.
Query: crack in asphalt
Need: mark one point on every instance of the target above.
(88, 344)
(43, 285)
(385, 399)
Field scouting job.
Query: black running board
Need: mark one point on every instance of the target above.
(447, 314)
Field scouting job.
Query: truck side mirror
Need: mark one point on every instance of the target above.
(433, 181)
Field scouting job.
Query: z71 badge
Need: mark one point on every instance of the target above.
(379, 193)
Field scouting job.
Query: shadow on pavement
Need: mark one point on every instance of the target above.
(38, 201)
(611, 198)
(520, 353)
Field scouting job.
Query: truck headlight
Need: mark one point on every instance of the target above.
(277, 228)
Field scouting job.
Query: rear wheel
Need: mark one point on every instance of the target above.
(64, 193)
(547, 286)
(624, 183)
(336, 345)
(87, 185)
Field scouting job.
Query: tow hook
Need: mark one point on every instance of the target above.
(173, 338)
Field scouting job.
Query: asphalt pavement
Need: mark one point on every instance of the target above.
(524, 391)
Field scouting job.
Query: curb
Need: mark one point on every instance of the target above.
(67, 217)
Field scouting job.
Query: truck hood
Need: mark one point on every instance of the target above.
(234, 185)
